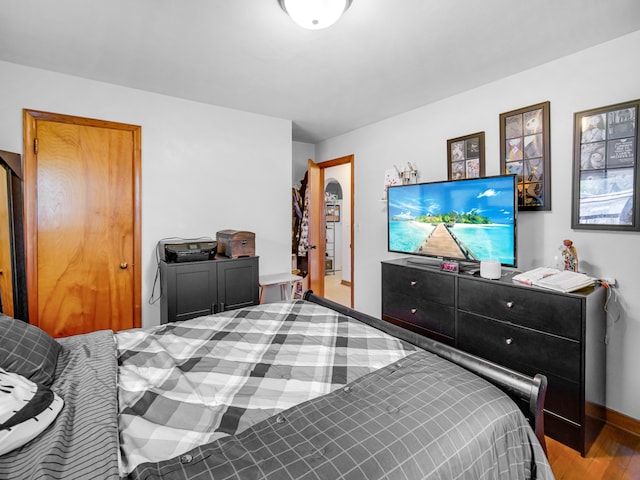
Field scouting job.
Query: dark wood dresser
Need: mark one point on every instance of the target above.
(529, 329)
(193, 289)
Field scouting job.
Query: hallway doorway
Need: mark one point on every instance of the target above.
(338, 231)
(311, 236)
(337, 224)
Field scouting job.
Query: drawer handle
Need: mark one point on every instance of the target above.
(413, 310)
(509, 304)
(509, 341)
(413, 283)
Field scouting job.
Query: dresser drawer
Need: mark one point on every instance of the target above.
(519, 348)
(546, 311)
(418, 283)
(563, 398)
(420, 312)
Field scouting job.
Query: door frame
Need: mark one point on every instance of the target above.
(12, 162)
(319, 221)
(30, 119)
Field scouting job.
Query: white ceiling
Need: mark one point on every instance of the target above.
(384, 57)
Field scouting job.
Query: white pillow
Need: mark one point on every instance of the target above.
(26, 410)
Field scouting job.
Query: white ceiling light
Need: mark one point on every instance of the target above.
(315, 14)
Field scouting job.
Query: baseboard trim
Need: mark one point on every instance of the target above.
(623, 422)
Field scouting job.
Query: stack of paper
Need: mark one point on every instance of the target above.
(560, 280)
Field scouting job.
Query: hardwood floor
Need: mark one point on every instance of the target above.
(614, 456)
(336, 291)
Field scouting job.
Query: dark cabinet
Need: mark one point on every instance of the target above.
(193, 289)
(532, 330)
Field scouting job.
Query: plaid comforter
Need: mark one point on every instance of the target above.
(190, 383)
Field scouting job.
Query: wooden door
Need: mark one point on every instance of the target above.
(6, 270)
(317, 234)
(317, 248)
(83, 223)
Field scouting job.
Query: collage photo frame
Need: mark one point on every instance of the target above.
(605, 173)
(525, 153)
(466, 156)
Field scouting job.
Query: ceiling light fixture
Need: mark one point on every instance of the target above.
(315, 14)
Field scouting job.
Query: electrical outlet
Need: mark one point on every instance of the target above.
(609, 281)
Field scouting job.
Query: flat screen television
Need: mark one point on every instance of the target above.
(463, 220)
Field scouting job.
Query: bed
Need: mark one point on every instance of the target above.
(301, 389)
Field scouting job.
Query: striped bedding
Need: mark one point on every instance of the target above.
(82, 443)
(241, 395)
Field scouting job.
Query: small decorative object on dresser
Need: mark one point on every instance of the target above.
(569, 256)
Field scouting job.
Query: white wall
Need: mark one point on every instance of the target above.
(204, 168)
(600, 76)
(302, 153)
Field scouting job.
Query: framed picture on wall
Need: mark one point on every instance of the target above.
(605, 168)
(333, 213)
(524, 152)
(466, 156)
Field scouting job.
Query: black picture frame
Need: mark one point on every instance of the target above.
(605, 168)
(525, 152)
(465, 156)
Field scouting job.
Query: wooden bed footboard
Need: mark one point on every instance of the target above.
(528, 392)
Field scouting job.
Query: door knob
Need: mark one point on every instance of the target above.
(124, 265)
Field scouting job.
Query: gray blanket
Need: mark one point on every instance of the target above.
(82, 443)
(420, 418)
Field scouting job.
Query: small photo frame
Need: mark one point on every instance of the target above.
(605, 168)
(524, 152)
(333, 213)
(466, 156)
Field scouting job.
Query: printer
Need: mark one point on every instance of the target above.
(177, 250)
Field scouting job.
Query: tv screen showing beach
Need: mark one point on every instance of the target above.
(467, 220)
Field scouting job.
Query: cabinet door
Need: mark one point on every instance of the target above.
(237, 283)
(190, 290)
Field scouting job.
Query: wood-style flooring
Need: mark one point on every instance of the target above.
(615, 455)
(336, 291)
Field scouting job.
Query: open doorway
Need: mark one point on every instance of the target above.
(309, 239)
(337, 223)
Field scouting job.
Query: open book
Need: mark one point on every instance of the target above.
(560, 280)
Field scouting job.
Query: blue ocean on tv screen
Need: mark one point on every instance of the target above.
(492, 199)
(487, 242)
